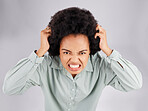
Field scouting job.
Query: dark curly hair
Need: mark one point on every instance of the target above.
(72, 20)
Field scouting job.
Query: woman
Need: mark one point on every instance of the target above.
(73, 74)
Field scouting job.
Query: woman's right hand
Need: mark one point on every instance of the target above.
(44, 38)
(44, 46)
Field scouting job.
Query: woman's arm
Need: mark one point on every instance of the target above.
(26, 72)
(23, 75)
(121, 73)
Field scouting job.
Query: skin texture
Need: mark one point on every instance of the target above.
(74, 44)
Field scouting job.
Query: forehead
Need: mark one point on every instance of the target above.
(73, 40)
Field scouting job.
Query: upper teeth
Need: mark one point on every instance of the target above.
(74, 66)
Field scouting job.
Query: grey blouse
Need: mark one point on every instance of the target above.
(61, 91)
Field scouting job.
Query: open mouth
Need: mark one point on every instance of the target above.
(74, 67)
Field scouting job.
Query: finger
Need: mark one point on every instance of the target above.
(99, 27)
(47, 29)
(97, 35)
(97, 31)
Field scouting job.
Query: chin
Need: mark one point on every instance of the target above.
(74, 72)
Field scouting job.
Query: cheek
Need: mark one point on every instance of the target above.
(85, 60)
(64, 59)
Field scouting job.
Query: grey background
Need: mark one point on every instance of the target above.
(125, 22)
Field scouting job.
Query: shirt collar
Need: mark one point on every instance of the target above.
(57, 64)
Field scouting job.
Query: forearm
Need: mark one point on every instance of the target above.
(128, 77)
(18, 77)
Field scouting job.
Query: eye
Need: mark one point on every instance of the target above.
(82, 53)
(66, 52)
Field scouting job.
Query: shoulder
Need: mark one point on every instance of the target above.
(47, 59)
(53, 61)
(97, 58)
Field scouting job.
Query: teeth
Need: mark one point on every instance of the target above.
(74, 66)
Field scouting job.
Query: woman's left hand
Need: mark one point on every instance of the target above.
(103, 41)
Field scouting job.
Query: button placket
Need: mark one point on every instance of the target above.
(70, 104)
(73, 81)
(74, 87)
(73, 93)
(71, 98)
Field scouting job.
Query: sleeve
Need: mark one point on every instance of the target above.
(23, 75)
(121, 73)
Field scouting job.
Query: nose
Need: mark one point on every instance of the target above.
(75, 59)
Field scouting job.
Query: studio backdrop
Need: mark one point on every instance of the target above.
(125, 22)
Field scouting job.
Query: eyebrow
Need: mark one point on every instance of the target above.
(79, 51)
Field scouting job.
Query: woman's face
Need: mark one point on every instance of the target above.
(74, 53)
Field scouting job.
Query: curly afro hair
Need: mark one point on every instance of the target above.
(72, 20)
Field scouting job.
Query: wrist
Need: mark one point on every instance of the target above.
(108, 51)
(40, 52)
